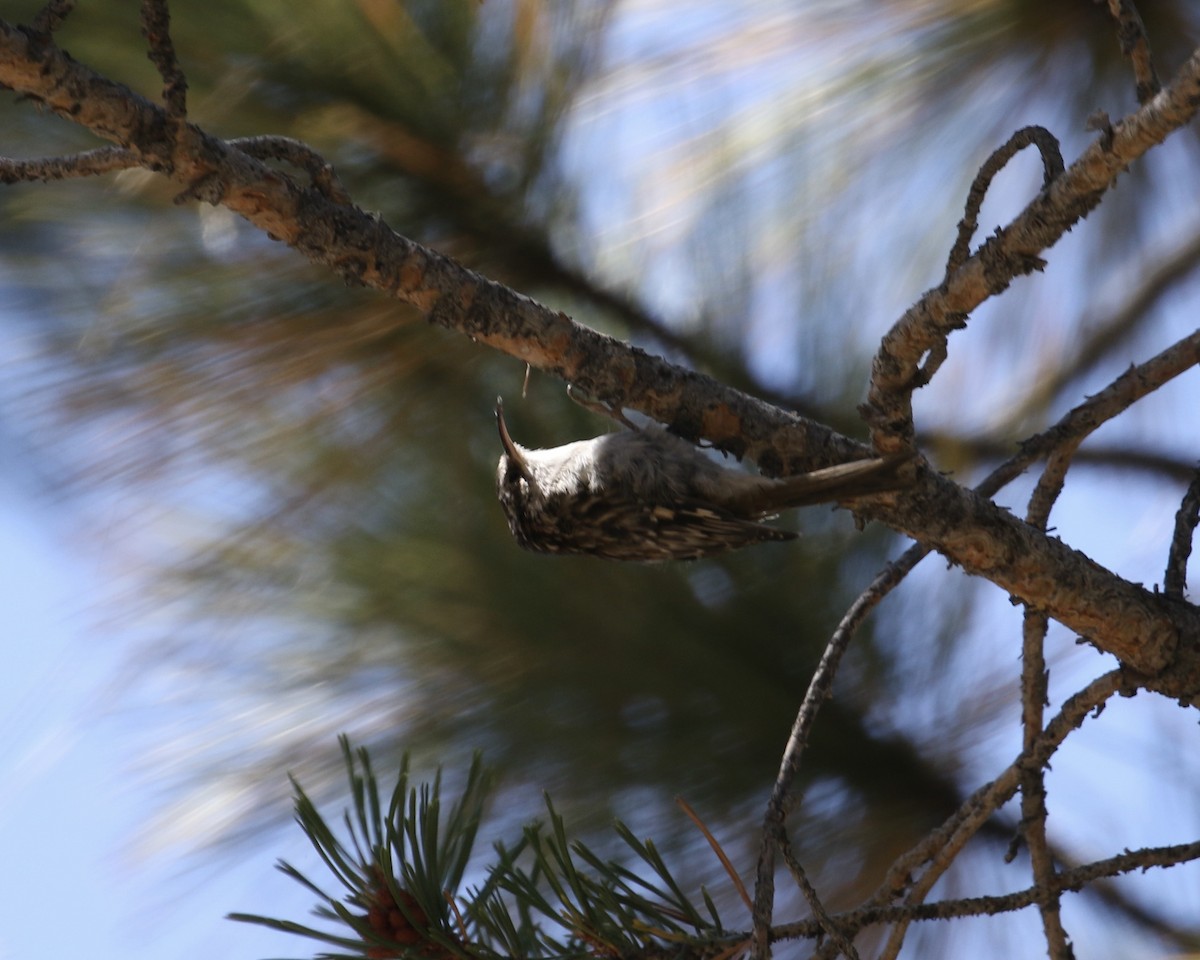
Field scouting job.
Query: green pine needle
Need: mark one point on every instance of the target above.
(402, 867)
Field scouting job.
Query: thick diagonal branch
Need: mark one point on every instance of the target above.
(1128, 621)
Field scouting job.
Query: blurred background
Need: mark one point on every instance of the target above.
(244, 508)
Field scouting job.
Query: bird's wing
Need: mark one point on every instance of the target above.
(626, 529)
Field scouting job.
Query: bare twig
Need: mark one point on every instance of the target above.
(1034, 685)
(1050, 484)
(1069, 880)
(1134, 384)
(1131, 34)
(1011, 252)
(941, 847)
(299, 154)
(51, 16)
(1112, 331)
(1052, 166)
(91, 163)
(1175, 580)
(828, 925)
(934, 346)
(1131, 386)
(156, 28)
(953, 451)
(1034, 699)
(1060, 443)
(820, 688)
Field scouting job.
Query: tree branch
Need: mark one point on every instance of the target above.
(820, 689)
(828, 924)
(156, 28)
(1014, 561)
(1014, 251)
(941, 846)
(1181, 540)
(1121, 618)
(1068, 881)
(298, 154)
(90, 163)
(51, 16)
(1052, 166)
(1131, 34)
(1119, 327)
(1035, 681)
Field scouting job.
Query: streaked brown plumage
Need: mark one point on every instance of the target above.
(647, 495)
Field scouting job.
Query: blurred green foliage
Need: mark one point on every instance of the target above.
(312, 468)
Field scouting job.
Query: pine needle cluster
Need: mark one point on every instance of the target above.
(401, 870)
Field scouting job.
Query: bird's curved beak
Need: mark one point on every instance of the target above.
(510, 448)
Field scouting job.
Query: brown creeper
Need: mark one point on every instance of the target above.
(647, 495)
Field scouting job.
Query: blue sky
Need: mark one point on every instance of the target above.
(71, 807)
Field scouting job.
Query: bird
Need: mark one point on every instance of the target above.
(646, 495)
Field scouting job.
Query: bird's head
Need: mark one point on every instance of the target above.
(516, 484)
